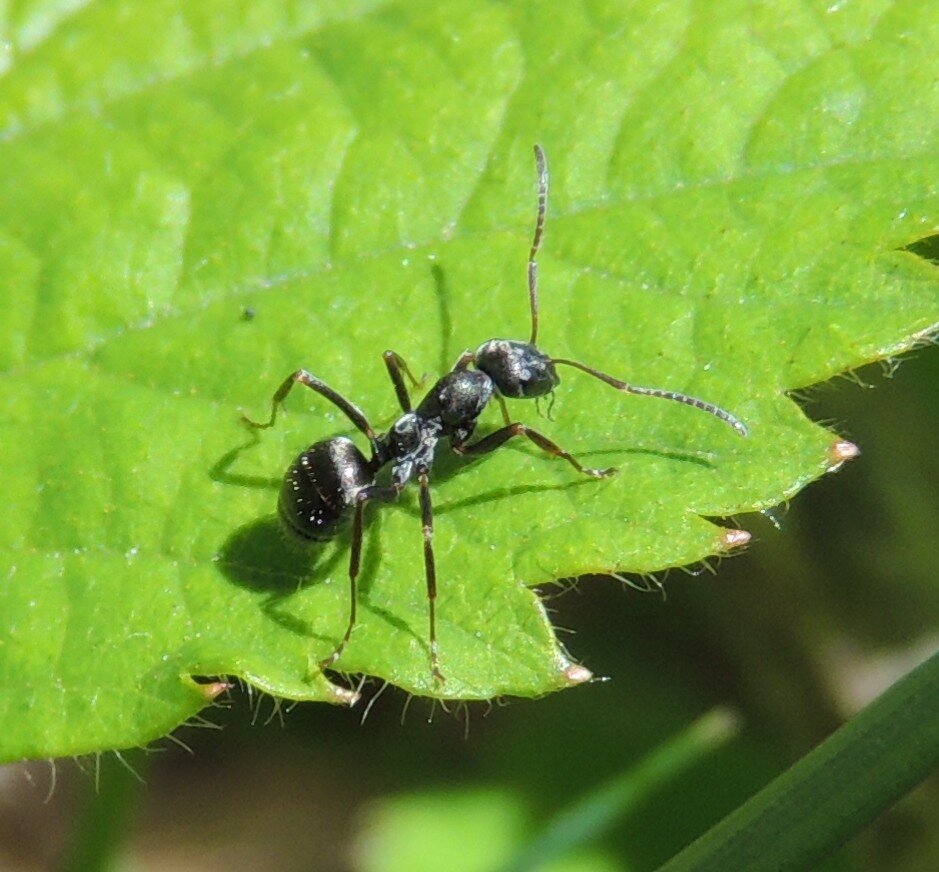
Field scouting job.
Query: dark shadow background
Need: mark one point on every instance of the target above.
(796, 634)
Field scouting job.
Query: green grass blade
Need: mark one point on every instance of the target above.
(834, 791)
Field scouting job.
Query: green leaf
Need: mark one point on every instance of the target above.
(426, 830)
(733, 189)
(586, 819)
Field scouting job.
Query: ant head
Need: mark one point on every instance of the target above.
(518, 369)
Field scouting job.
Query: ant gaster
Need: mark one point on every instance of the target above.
(333, 479)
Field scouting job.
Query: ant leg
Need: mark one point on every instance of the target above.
(350, 409)
(463, 361)
(387, 494)
(396, 365)
(505, 409)
(430, 569)
(500, 437)
(355, 560)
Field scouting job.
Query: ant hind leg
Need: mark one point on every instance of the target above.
(374, 492)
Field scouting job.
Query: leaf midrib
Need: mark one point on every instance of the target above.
(260, 284)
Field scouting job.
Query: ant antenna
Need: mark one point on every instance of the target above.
(710, 408)
(536, 242)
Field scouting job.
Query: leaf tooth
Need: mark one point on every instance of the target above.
(840, 451)
(214, 689)
(730, 539)
(344, 695)
(577, 674)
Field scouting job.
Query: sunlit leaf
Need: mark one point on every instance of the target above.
(733, 189)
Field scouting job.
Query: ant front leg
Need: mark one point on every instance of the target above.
(301, 376)
(374, 492)
(500, 437)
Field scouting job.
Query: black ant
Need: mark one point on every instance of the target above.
(333, 479)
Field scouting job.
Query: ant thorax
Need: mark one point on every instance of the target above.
(410, 444)
(456, 401)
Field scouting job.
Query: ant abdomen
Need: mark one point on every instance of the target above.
(320, 488)
(518, 369)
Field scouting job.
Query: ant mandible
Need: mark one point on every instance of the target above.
(332, 479)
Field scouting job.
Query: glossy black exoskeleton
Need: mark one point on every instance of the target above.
(333, 480)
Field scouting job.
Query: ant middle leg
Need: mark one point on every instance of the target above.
(375, 492)
(301, 376)
(501, 436)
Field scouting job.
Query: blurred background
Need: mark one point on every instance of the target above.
(795, 635)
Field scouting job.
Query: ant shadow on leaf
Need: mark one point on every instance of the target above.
(260, 555)
(332, 481)
(450, 465)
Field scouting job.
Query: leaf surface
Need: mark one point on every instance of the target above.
(733, 189)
